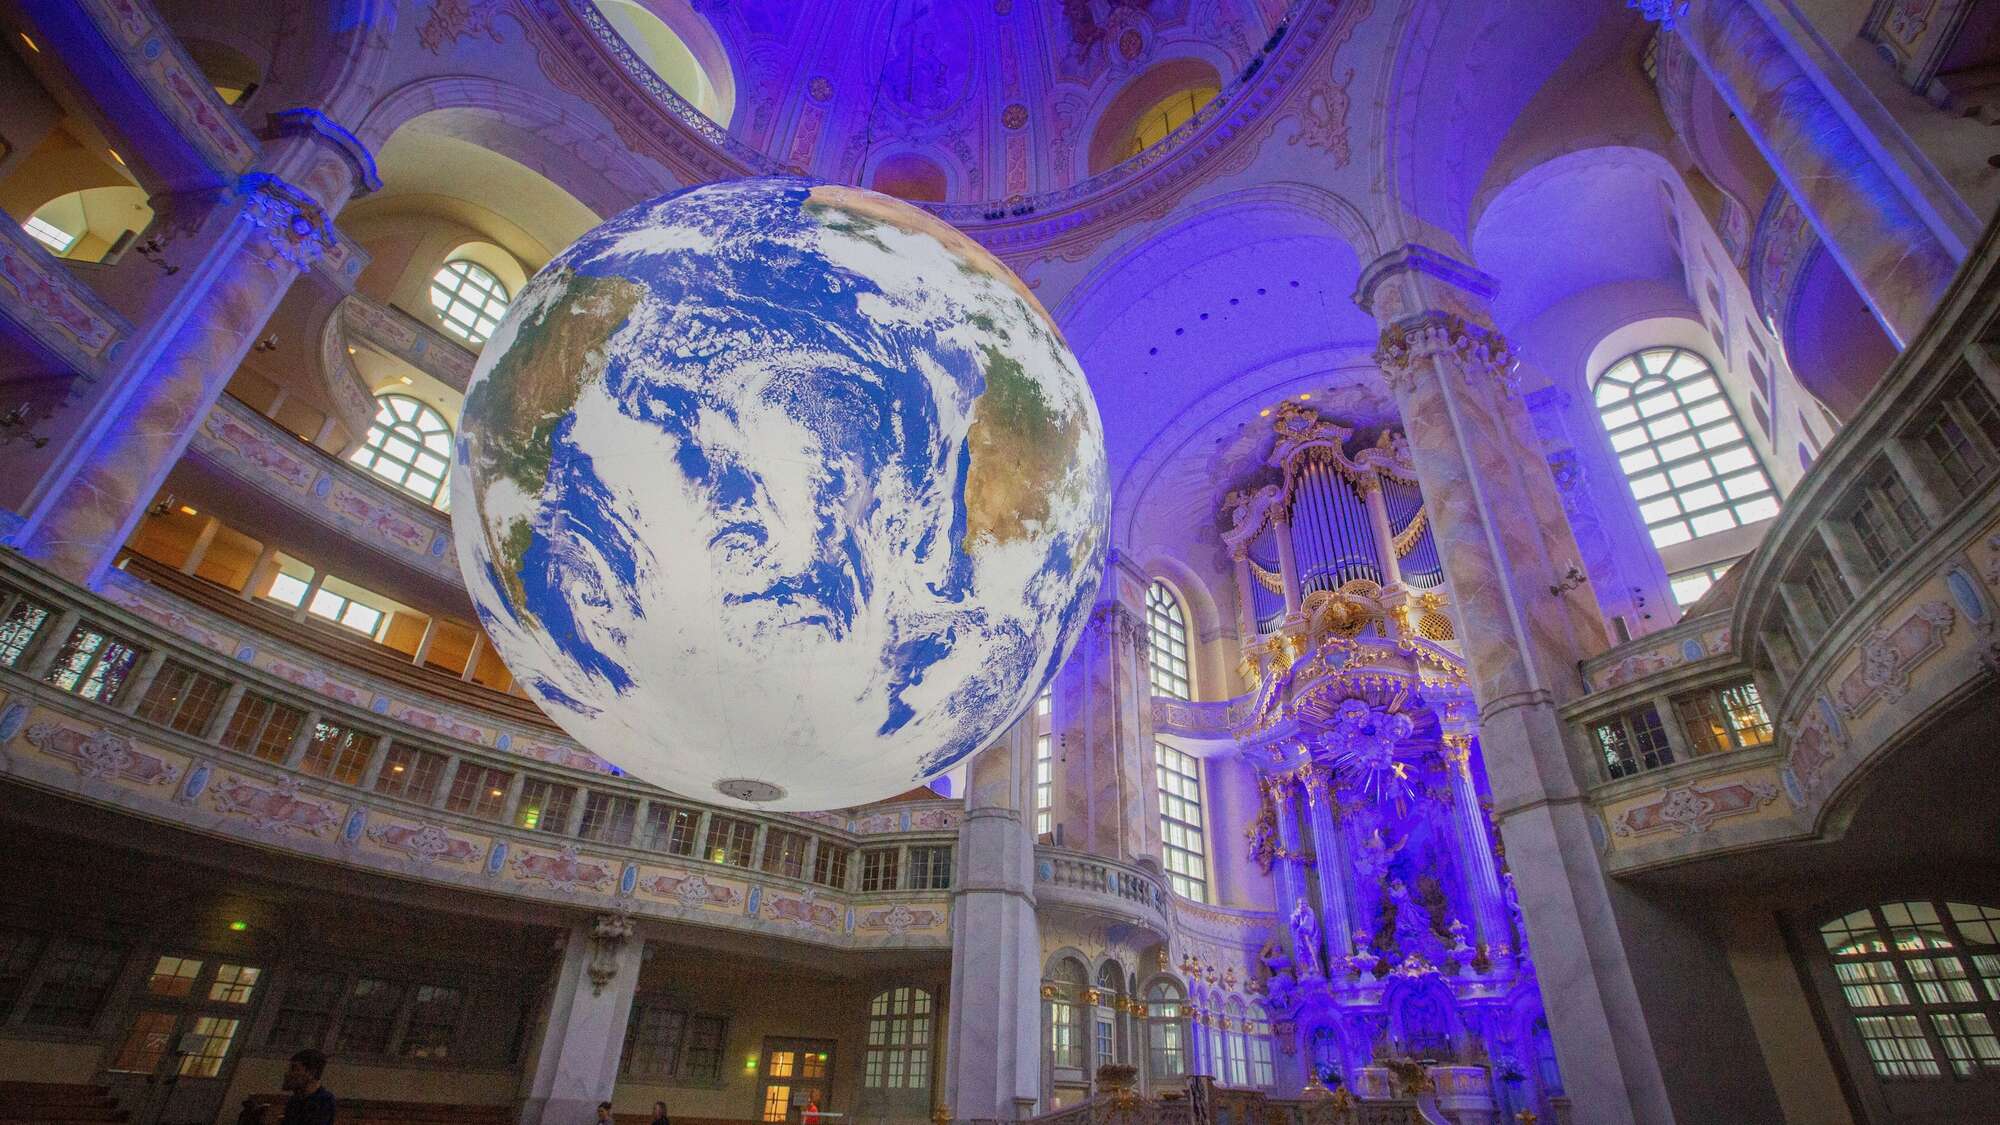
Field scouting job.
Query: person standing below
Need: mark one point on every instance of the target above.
(311, 1103)
(604, 1114)
(660, 1114)
(811, 1115)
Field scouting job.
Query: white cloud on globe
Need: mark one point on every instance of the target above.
(780, 481)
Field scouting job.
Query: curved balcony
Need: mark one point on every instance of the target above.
(161, 716)
(1867, 613)
(1102, 887)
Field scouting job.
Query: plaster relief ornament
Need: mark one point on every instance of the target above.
(780, 492)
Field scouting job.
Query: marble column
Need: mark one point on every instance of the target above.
(1336, 918)
(1289, 866)
(1897, 249)
(994, 1056)
(262, 232)
(1450, 373)
(1490, 919)
(1107, 802)
(574, 1063)
(1246, 601)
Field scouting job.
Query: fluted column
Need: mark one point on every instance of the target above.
(1335, 917)
(1288, 564)
(1484, 491)
(1475, 854)
(260, 234)
(1385, 536)
(1246, 601)
(1289, 866)
(1896, 247)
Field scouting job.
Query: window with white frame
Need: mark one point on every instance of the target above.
(1682, 448)
(469, 300)
(409, 446)
(1258, 1032)
(1237, 1063)
(1689, 585)
(1166, 1050)
(1167, 642)
(899, 1040)
(1922, 984)
(1045, 783)
(1178, 776)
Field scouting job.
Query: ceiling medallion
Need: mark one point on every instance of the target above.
(1014, 116)
(1130, 43)
(819, 88)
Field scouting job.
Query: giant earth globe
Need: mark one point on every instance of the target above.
(780, 493)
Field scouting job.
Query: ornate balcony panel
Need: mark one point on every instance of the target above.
(258, 453)
(1868, 611)
(44, 301)
(362, 320)
(104, 754)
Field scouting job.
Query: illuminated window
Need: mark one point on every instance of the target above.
(1166, 1037)
(544, 806)
(263, 728)
(409, 446)
(1167, 642)
(1179, 779)
(210, 1038)
(233, 984)
(1237, 1054)
(48, 234)
(1683, 450)
(93, 664)
(1689, 585)
(608, 818)
(173, 976)
(23, 623)
(730, 841)
(1258, 1032)
(1922, 983)
(899, 1040)
(1725, 718)
(1045, 783)
(1633, 742)
(478, 790)
(411, 774)
(469, 300)
(338, 753)
(1164, 117)
(183, 699)
(670, 829)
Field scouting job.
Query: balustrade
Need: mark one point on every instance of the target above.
(106, 705)
(1094, 876)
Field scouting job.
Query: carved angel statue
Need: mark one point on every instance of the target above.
(1413, 933)
(1305, 941)
(1263, 835)
(1377, 853)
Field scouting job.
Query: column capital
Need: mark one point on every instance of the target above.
(304, 121)
(1414, 278)
(1479, 352)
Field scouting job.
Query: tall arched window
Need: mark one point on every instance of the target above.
(1922, 985)
(899, 1040)
(1166, 1039)
(469, 300)
(1683, 450)
(1178, 775)
(1259, 1035)
(1163, 117)
(1167, 643)
(1236, 1023)
(409, 446)
(1064, 994)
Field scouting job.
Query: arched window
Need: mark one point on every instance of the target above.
(469, 300)
(1235, 1023)
(899, 1040)
(1064, 993)
(1178, 775)
(1166, 1050)
(1683, 450)
(1922, 984)
(1259, 1034)
(1167, 643)
(909, 176)
(409, 445)
(1164, 117)
(1105, 1039)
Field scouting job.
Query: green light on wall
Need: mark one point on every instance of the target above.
(239, 926)
(750, 1063)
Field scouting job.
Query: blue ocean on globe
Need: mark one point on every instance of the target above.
(780, 491)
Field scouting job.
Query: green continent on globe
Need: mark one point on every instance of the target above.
(1020, 452)
(558, 350)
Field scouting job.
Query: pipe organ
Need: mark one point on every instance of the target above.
(1334, 530)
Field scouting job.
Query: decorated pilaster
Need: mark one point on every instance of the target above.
(1523, 631)
(1104, 740)
(1493, 927)
(574, 1063)
(1336, 918)
(993, 1064)
(248, 242)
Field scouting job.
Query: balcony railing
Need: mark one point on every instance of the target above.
(111, 707)
(1078, 879)
(1868, 609)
